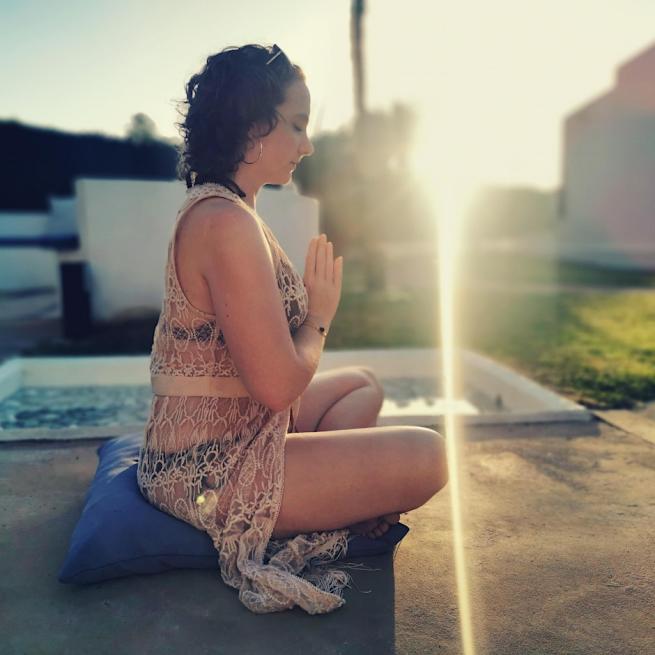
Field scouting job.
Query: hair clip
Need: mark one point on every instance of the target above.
(277, 54)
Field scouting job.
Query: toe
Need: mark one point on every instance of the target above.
(363, 527)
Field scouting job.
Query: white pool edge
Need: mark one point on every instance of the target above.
(538, 404)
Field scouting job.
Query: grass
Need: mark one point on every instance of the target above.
(383, 320)
(510, 268)
(571, 273)
(597, 349)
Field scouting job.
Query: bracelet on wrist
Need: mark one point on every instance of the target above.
(321, 329)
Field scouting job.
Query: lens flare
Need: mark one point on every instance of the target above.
(451, 187)
(447, 242)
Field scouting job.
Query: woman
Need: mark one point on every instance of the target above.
(278, 465)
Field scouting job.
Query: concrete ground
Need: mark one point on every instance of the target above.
(559, 531)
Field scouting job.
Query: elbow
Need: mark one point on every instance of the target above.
(274, 406)
(277, 392)
(277, 404)
(274, 401)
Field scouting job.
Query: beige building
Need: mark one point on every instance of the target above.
(607, 202)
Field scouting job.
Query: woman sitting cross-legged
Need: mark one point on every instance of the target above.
(280, 465)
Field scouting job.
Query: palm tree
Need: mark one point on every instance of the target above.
(356, 38)
(373, 267)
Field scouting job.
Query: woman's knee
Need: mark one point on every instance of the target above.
(432, 464)
(369, 374)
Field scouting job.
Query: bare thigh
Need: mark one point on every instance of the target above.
(335, 478)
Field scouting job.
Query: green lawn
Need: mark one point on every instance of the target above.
(597, 349)
(570, 273)
(518, 267)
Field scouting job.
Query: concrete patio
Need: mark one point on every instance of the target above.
(560, 526)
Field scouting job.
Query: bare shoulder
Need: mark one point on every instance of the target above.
(218, 218)
(207, 211)
(223, 227)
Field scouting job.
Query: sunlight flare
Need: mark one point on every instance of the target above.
(451, 185)
(449, 210)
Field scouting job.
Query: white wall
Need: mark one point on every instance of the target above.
(30, 267)
(26, 268)
(125, 227)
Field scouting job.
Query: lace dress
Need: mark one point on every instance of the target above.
(214, 457)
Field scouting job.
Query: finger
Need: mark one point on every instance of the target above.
(320, 259)
(326, 257)
(310, 259)
(329, 262)
(338, 271)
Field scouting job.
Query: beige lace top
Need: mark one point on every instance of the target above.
(214, 457)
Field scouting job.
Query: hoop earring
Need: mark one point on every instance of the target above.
(261, 150)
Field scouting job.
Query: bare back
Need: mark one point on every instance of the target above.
(192, 254)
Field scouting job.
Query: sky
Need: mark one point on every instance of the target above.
(491, 82)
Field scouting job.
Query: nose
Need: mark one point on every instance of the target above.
(308, 148)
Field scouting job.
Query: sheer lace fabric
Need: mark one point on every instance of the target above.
(218, 462)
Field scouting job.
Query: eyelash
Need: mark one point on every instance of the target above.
(298, 129)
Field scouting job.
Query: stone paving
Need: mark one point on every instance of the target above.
(559, 526)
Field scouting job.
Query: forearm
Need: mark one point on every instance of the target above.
(309, 344)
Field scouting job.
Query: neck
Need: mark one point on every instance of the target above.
(249, 184)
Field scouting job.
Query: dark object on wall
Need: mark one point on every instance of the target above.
(76, 300)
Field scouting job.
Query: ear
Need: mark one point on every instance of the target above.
(255, 132)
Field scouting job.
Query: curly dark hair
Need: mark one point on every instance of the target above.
(235, 90)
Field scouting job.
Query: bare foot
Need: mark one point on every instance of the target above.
(376, 527)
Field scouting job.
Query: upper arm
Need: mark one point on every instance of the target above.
(237, 265)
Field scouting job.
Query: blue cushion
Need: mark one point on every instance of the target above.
(120, 533)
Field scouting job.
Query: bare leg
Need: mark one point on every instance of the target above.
(358, 409)
(338, 478)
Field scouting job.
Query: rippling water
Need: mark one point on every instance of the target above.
(61, 407)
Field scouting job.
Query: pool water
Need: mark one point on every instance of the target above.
(62, 407)
(92, 405)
